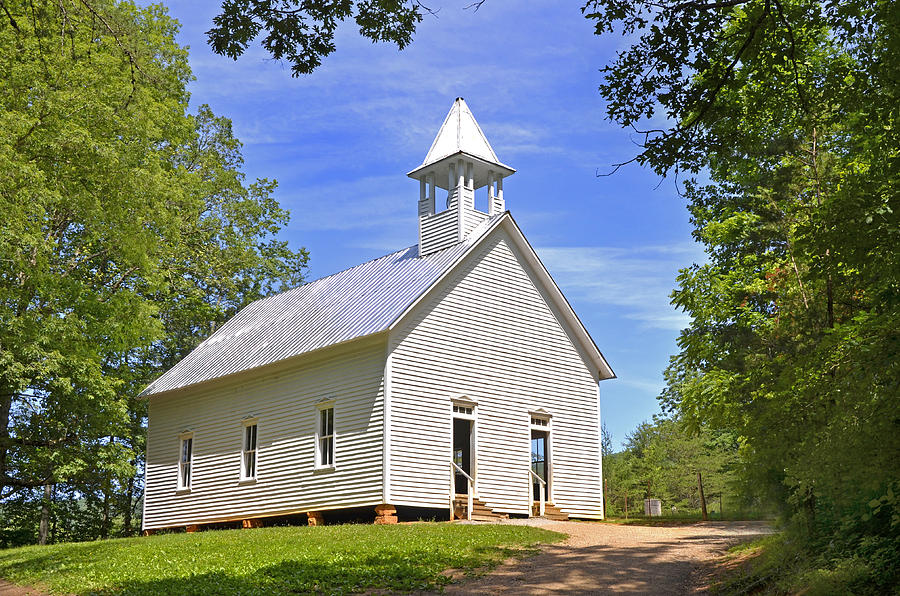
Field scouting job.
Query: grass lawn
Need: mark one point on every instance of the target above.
(329, 559)
(782, 564)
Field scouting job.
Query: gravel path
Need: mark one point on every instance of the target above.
(600, 558)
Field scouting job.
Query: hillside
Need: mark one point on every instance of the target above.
(331, 559)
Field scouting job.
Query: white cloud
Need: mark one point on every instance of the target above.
(372, 202)
(637, 281)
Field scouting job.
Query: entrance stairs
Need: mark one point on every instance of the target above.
(551, 511)
(480, 511)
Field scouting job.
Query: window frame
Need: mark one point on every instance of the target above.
(181, 486)
(545, 424)
(245, 425)
(320, 436)
(463, 408)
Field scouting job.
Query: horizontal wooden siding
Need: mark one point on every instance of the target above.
(285, 405)
(490, 335)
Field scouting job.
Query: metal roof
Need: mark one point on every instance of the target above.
(461, 134)
(353, 303)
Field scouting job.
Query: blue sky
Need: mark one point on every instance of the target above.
(340, 141)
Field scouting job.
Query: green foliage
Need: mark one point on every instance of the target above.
(330, 560)
(128, 233)
(661, 460)
(784, 563)
(303, 32)
(788, 109)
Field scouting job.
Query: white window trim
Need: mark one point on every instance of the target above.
(464, 402)
(180, 486)
(543, 415)
(244, 479)
(540, 415)
(325, 405)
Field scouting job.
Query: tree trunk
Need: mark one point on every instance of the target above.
(6, 396)
(104, 525)
(604, 499)
(129, 497)
(54, 519)
(44, 528)
(702, 498)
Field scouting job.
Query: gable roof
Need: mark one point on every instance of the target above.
(370, 298)
(344, 306)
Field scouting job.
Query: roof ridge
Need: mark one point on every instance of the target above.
(362, 300)
(312, 281)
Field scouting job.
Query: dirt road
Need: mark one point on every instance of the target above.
(600, 558)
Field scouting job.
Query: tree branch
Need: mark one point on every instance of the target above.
(730, 69)
(12, 21)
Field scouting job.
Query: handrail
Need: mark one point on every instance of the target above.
(543, 482)
(461, 471)
(454, 470)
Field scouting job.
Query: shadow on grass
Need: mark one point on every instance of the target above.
(293, 577)
(381, 570)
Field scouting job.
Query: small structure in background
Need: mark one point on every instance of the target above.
(652, 507)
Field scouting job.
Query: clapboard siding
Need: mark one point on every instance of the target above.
(472, 218)
(440, 230)
(285, 404)
(489, 334)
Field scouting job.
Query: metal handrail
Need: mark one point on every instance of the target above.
(543, 482)
(454, 470)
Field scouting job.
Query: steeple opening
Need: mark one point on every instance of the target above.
(460, 161)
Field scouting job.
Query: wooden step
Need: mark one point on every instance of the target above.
(480, 511)
(551, 511)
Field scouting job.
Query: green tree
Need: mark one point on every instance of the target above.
(783, 114)
(302, 32)
(128, 233)
(661, 460)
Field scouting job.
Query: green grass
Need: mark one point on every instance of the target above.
(781, 564)
(294, 560)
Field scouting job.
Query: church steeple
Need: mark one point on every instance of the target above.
(460, 161)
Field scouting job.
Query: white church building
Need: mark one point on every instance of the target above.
(450, 378)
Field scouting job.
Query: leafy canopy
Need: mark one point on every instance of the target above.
(783, 114)
(302, 31)
(128, 232)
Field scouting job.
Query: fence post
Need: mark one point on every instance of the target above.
(604, 498)
(702, 498)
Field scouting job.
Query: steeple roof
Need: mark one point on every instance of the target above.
(460, 133)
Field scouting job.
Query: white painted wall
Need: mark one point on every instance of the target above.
(284, 398)
(440, 230)
(473, 217)
(488, 333)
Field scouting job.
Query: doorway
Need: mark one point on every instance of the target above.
(540, 463)
(462, 452)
